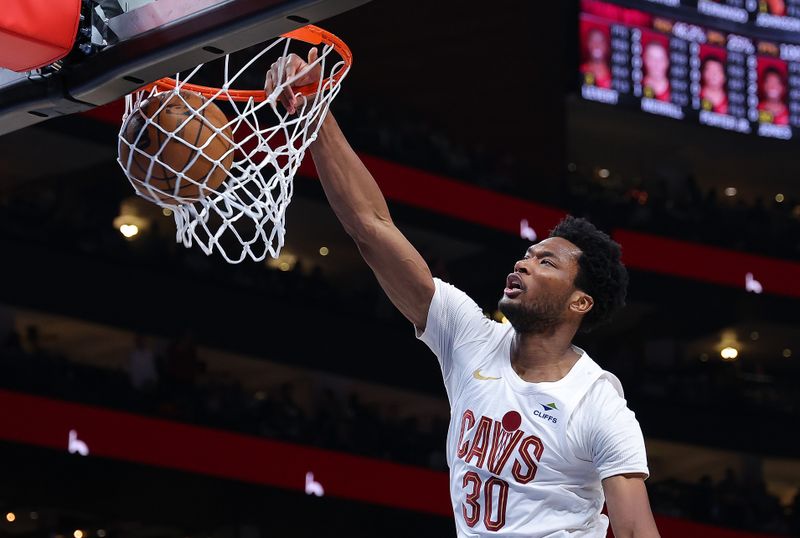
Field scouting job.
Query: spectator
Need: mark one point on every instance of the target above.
(182, 365)
(181, 371)
(795, 515)
(142, 370)
(33, 346)
(732, 504)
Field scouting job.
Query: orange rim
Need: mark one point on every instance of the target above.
(310, 34)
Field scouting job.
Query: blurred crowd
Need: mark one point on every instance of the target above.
(731, 502)
(659, 369)
(676, 207)
(662, 203)
(174, 383)
(669, 204)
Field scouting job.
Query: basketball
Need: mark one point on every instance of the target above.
(181, 149)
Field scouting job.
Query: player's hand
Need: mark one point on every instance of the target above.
(286, 68)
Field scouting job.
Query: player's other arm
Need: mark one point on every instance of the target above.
(361, 208)
(618, 451)
(628, 507)
(359, 204)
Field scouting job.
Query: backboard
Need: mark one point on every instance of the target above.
(126, 44)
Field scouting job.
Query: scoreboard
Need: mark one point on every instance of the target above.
(729, 64)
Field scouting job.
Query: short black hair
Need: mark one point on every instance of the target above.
(601, 273)
(773, 71)
(711, 58)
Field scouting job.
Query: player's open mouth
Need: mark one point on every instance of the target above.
(512, 292)
(514, 286)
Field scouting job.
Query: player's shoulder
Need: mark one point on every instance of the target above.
(603, 396)
(456, 317)
(602, 383)
(454, 301)
(605, 389)
(446, 290)
(602, 409)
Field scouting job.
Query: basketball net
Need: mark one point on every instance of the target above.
(245, 216)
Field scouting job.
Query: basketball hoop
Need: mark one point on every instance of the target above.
(244, 216)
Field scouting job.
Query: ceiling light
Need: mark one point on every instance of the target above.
(754, 335)
(323, 251)
(10, 517)
(787, 353)
(134, 217)
(729, 353)
(129, 230)
(285, 262)
(603, 173)
(730, 191)
(78, 534)
(130, 225)
(779, 198)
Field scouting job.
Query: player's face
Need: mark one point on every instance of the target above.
(713, 75)
(656, 62)
(596, 45)
(538, 293)
(773, 87)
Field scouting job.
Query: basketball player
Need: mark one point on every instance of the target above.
(539, 434)
(655, 60)
(595, 69)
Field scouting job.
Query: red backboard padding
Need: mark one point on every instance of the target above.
(34, 33)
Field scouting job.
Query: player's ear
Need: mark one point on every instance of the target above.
(581, 302)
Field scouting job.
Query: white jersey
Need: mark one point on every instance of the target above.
(526, 459)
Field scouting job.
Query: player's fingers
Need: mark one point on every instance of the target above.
(290, 65)
(312, 75)
(287, 97)
(270, 87)
(274, 72)
(282, 99)
(272, 82)
(293, 65)
(268, 83)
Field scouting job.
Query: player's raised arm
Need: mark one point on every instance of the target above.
(361, 208)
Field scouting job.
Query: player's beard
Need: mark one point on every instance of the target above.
(539, 317)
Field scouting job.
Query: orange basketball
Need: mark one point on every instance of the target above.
(195, 149)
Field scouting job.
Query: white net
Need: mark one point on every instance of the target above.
(228, 183)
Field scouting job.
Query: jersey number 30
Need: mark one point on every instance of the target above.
(493, 517)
